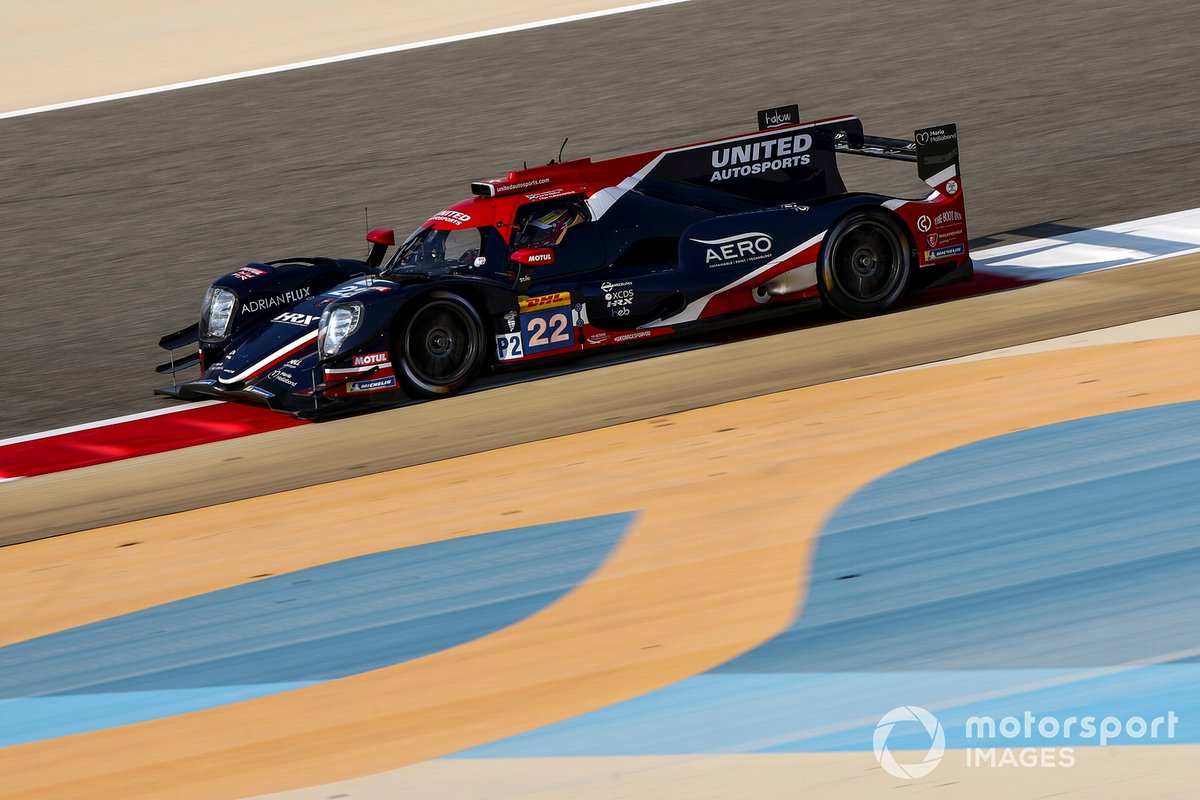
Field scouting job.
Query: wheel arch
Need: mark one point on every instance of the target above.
(409, 377)
(468, 294)
(871, 206)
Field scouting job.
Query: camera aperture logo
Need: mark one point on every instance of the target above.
(937, 742)
(1027, 740)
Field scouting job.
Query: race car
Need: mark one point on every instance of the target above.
(571, 257)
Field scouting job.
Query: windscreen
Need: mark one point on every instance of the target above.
(438, 251)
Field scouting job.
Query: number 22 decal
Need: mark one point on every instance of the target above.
(557, 325)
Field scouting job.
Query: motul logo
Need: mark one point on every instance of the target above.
(370, 359)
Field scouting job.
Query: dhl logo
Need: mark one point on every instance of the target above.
(545, 301)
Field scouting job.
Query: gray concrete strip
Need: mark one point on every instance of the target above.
(159, 484)
(1169, 327)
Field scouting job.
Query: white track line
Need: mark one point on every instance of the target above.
(1077, 252)
(316, 62)
(105, 422)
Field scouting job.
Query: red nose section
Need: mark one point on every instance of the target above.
(385, 236)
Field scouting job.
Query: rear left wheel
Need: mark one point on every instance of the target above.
(439, 349)
(865, 264)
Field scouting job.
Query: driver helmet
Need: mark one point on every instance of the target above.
(549, 228)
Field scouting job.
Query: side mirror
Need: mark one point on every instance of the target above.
(381, 239)
(532, 256)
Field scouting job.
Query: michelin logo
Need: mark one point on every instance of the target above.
(752, 158)
(944, 252)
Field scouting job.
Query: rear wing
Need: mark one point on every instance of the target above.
(790, 161)
(935, 150)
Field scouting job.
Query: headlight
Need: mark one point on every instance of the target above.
(337, 323)
(217, 313)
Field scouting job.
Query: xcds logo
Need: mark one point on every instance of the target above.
(937, 742)
(736, 249)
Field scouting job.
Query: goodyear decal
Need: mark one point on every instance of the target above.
(545, 301)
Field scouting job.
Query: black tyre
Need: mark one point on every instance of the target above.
(864, 265)
(439, 348)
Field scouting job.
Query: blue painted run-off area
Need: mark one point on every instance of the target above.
(293, 630)
(1053, 570)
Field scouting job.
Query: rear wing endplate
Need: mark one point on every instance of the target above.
(937, 153)
(935, 150)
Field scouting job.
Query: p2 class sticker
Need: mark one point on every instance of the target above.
(508, 347)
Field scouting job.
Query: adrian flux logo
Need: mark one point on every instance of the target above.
(937, 742)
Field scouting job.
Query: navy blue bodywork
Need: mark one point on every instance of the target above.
(678, 250)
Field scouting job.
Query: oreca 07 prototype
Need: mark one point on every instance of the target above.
(552, 261)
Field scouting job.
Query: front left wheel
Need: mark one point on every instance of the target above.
(439, 349)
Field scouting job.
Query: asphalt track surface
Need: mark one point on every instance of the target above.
(739, 580)
(116, 216)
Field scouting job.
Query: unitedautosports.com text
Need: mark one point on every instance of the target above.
(988, 738)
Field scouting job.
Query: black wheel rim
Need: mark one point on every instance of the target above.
(867, 261)
(440, 345)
